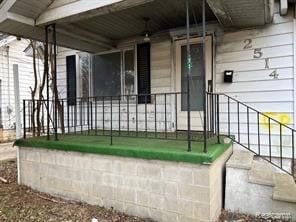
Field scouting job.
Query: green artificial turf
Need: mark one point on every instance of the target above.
(145, 148)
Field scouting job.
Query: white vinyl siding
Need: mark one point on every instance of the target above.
(26, 78)
(252, 83)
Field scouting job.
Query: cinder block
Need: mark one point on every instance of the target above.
(48, 157)
(81, 162)
(170, 173)
(81, 187)
(124, 167)
(62, 184)
(194, 193)
(186, 207)
(149, 170)
(171, 189)
(125, 195)
(33, 156)
(142, 198)
(156, 187)
(142, 183)
(169, 217)
(143, 212)
(64, 159)
(130, 181)
(201, 177)
(101, 164)
(185, 218)
(202, 211)
(30, 174)
(112, 180)
(156, 201)
(185, 176)
(105, 192)
(171, 204)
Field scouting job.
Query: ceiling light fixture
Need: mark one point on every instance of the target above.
(147, 34)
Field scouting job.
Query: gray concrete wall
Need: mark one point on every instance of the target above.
(163, 191)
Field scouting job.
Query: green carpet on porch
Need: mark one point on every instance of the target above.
(145, 148)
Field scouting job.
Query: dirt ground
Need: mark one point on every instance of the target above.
(22, 204)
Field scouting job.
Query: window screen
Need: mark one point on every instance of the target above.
(71, 79)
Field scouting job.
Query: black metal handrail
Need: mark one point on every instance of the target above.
(152, 116)
(275, 148)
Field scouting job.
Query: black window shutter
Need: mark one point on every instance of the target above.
(71, 79)
(144, 70)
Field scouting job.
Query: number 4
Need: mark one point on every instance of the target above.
(274, 74)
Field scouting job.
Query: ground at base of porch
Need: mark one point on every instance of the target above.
(144, 148)
(20, 203)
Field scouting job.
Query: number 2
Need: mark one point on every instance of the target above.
(248, 44)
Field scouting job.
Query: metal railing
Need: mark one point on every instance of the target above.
(259, 133)
(155, 116)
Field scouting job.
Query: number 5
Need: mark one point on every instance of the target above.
(257, 53)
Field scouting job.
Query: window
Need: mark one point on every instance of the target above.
(144, 79)
(114, 73)
(107, 74)
(71, 79)
(84, 73)
(129, 72)
(196, 80)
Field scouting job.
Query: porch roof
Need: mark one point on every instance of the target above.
(97, 25)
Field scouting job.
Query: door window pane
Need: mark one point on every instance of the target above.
(129, 72)
(196, 80)
(107, 74)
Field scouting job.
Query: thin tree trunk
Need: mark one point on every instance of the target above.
(33, 91)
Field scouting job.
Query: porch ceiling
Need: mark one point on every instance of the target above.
(163, 14)
(97, 25)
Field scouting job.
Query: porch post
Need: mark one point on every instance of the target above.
(189, 64)
(47, 79)
(54, 37)
(204, 73)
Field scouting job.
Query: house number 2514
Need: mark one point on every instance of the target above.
(257, 54)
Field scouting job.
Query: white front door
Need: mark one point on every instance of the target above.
(196, 81)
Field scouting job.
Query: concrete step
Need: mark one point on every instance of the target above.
(261, 173)
(284, 189)
(241, 160)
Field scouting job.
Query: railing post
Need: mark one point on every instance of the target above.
(88, 122)
(111, 120)
(204, 73)
(188, 77)
(176, 115)
(46, 70)
(56, 96)
(146, 132)
(258, 130)
(24, 118)
(218, 118)
(293, 155)
(165, 116)
(155, 116)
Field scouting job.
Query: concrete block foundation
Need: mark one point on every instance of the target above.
(160, 190)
